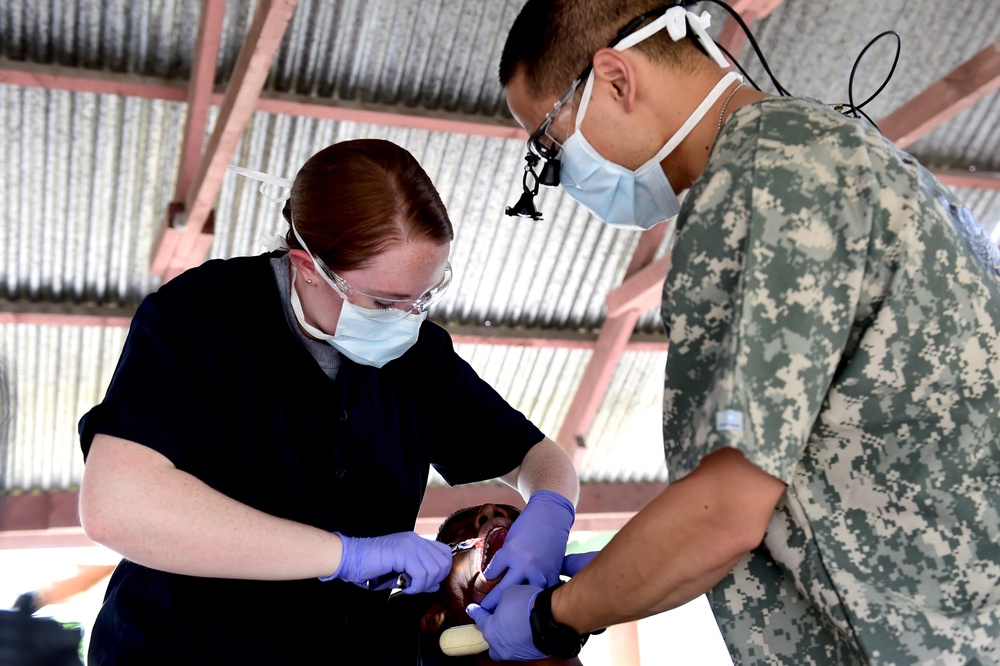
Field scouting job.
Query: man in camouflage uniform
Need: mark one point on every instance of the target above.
(831, 410)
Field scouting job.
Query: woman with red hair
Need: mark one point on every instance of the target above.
(264, 413)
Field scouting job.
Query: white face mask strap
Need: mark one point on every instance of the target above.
(588, 88)
(267, 183)
(316, 263)
(676, 20)
(300, 314)
(697, 115)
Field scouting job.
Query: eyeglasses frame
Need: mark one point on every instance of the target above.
(417, 306)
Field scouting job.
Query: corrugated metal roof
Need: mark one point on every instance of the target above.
(813, 46)
(51, 375)
(85, 186)
(88, 177)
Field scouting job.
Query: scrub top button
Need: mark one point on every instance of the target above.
(343, 417)
(341, 472)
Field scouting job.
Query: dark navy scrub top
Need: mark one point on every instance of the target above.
(212, 377)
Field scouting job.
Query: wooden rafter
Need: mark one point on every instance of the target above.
(611, 343)
(72, 79)
(68, 314)
(75, 79)
(79, 80)
(731, 37)
(182, 247)
(200, 90)
(943, 100)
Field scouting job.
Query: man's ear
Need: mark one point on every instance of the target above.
(433, 618)
(616, 69)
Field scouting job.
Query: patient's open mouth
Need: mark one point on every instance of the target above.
(493, 542)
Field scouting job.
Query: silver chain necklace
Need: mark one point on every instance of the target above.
(722, 113)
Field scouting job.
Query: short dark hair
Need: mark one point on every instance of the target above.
(353, 200)
(552, 41)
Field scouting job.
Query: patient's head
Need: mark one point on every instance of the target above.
(487, 525)
(466, 584)
(478, 532)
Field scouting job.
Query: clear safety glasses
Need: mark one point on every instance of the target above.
(542, 142)
(401, 307)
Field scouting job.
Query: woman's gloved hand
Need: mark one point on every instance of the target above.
(426, 563)
(535, 546)
(508, 630)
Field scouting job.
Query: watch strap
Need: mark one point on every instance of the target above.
(551, 637)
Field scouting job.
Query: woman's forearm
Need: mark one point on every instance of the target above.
(135, 502)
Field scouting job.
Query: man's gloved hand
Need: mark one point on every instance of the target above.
(535, 546)
(508, 629)
(426, 563)
(574, 562)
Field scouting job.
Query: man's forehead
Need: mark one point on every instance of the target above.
(528, 110)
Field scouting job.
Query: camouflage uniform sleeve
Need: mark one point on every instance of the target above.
(758, 306)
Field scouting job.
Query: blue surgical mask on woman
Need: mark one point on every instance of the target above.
(642, 198)
(368, 337)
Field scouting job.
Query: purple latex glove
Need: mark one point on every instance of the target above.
(573, 563)
(508, 630)
(425, 562)
(535, 546)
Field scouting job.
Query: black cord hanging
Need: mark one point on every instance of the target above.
(854, 110)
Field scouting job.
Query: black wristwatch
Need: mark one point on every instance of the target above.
(550, 637)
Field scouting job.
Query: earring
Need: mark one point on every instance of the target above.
(308, 281)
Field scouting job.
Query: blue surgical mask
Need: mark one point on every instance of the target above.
(368, 337)
(621, 197)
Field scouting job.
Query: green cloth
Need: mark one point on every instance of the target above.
(834, 313)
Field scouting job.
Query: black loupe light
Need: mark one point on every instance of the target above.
(525, 206)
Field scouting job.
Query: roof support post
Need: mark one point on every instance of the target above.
(625, 305)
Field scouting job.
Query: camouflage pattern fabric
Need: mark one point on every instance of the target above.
(834, 313)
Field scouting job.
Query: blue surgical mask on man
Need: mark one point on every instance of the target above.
(642, 198)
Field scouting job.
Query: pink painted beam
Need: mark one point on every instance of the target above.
(249, 75)
(64, 314)
(625, 304)
(199, 93)
(624, 639)
(81, 80)
(39, 511)
(642, 292)
(611, 342)
(73, 79)
(943, 100)
(646, 249)
(731, 37)
(380, 114)
(979, 180)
